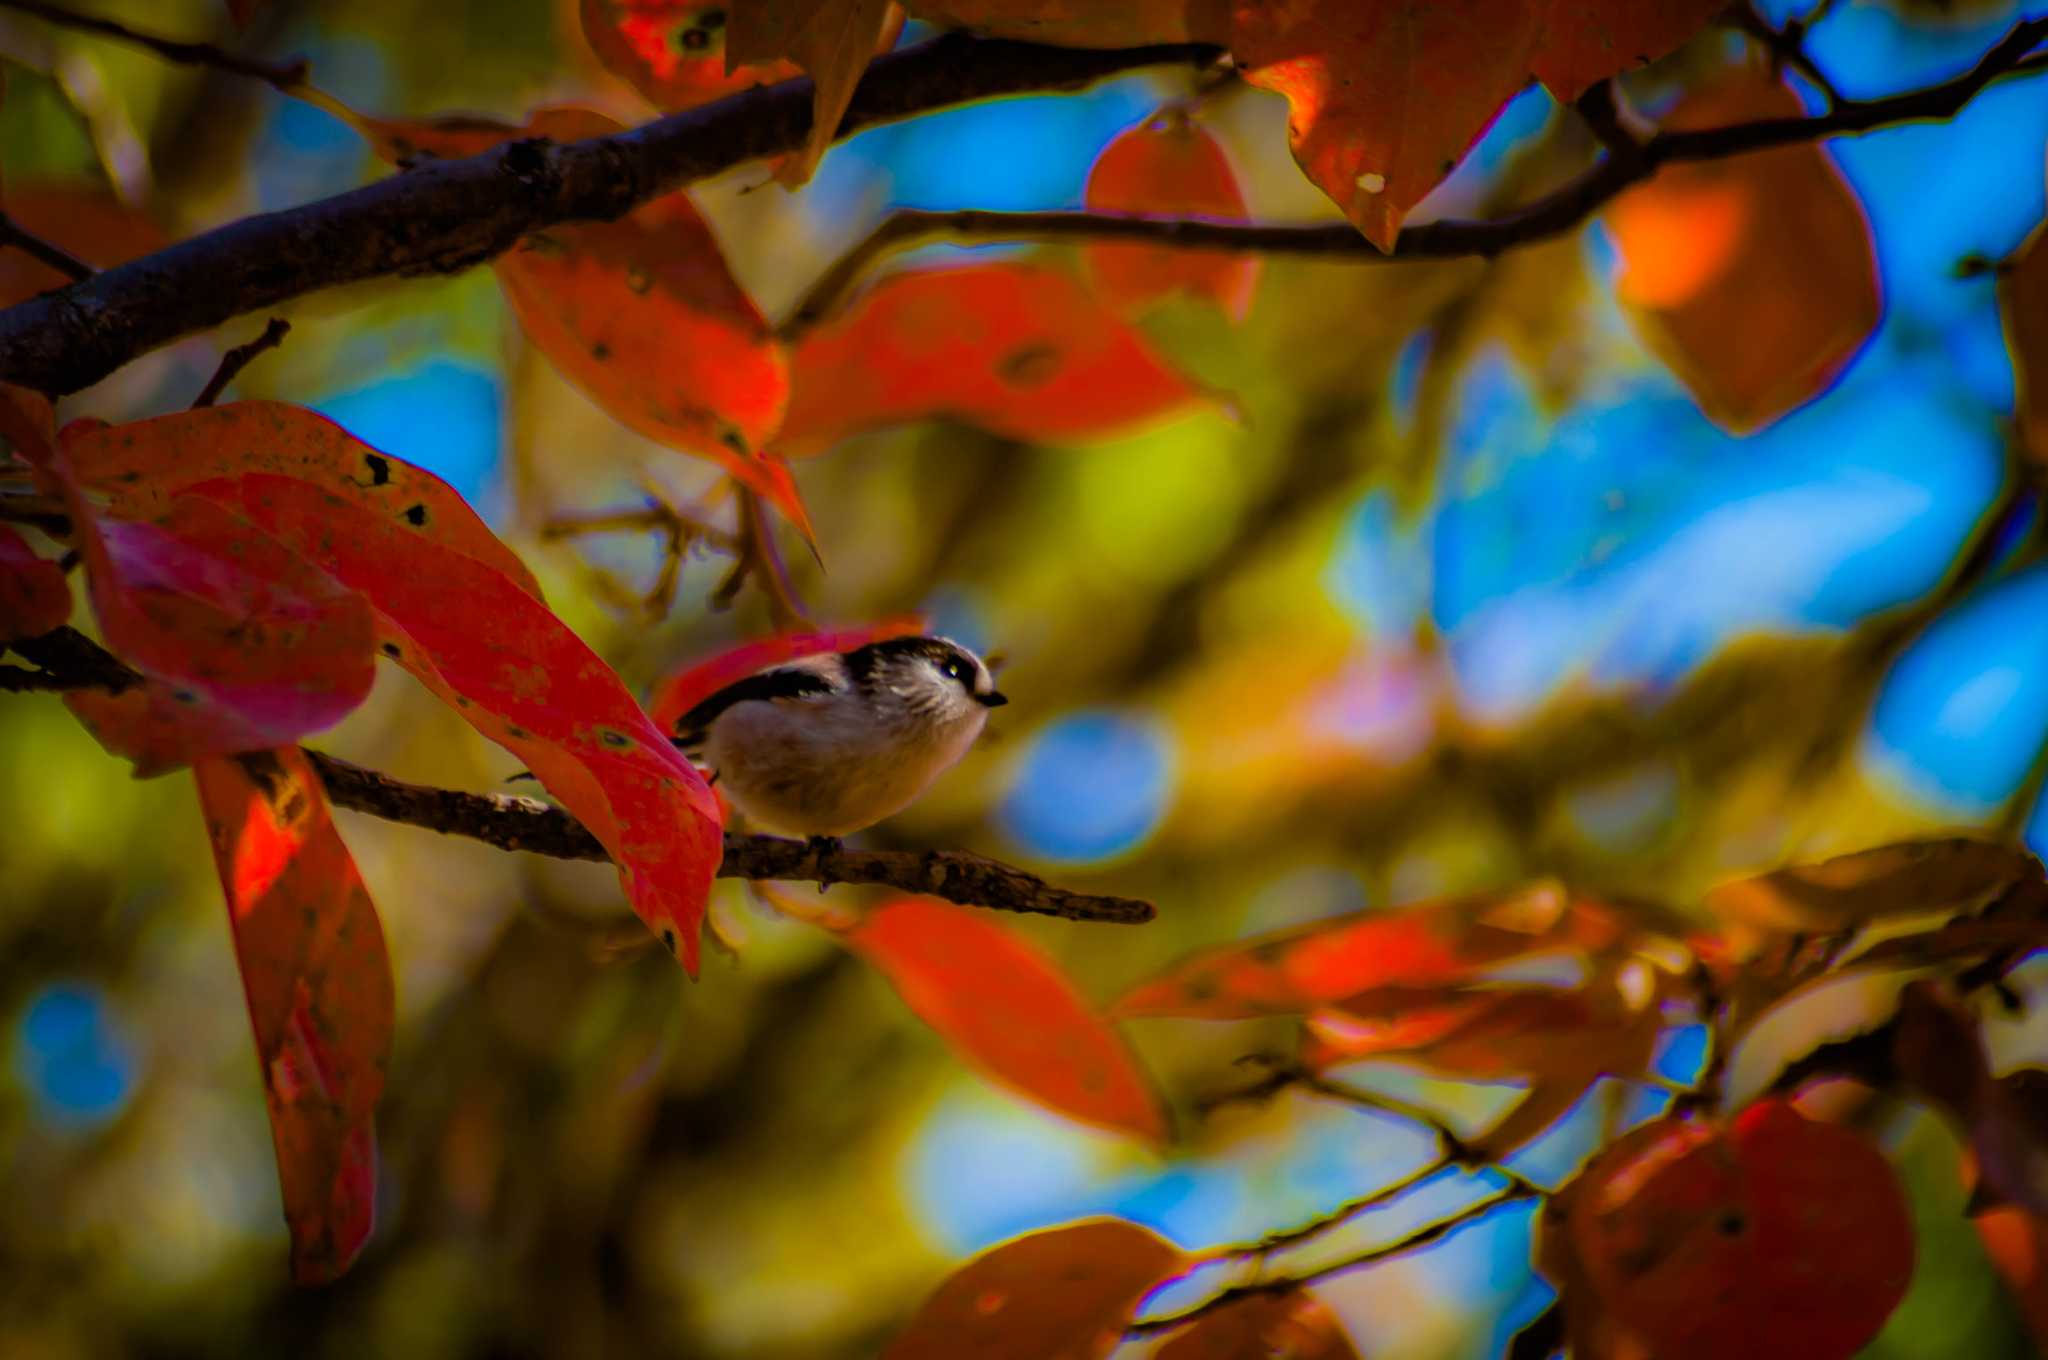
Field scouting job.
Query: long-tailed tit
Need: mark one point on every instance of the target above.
(828, 744)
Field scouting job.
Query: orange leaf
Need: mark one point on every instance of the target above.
(1294, 971)
(1293, 1326)
(522, 678)
(1018, 349)
(319, 990)
(1084, 23)
(1384, 96)
(86, 220)
(1774, 1236)
(1168, 164)
(833, 41)
(1007, 1009)
(672, 51)
(1584, 42)
(643, 315)
(1753, 277)
(1062, 1294)
(34, 596)
(687, 688)
(2023, 298)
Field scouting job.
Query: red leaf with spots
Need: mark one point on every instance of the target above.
(1384, 96)
(1772, 1236)
(672, 51)
(1754, 278)
(1295, 971)
(34, 596)
(1006, 1008)
(687, 688)
(1019, 349)
(318, 985)
(1062, 1294)
(1291, 1326)
(1168, 164)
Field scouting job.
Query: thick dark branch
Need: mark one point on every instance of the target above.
(444, 216)
(70, 660)
(1562, 210)
(284, 76)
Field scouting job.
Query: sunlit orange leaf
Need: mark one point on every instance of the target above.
(684, 690)
(247, 645)
(1291, 1326)
(1168, 164)
(138, 467)
(644, 316)
(1384, 96)
(1914, 877)
(1062, 1294)
(1007, 1009)
(2023, 298)
(84, 219)
(1773, 1236)
(1294, 971)
(1084, 23)
(672, 51)
(1019, 349)
(1753, 277)
(34, 597)
(1583, 42)
(523, 679)
(833, 40)
(319, 990)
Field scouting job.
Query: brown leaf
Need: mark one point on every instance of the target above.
(1291, 1326)
(1913, 877)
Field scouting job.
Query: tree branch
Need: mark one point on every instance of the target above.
(1562, 210)
(70, 660)
(445, 216)
(281, 75)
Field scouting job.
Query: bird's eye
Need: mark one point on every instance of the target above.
(952, 669)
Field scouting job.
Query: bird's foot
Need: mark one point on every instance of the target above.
(822, 846)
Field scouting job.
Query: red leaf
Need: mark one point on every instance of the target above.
(1384, 96)
(1776, 1236)
(1168, 164)
(687, 688)
(1295, 971)
(1754, 278)
(1018, 349)
(34, 596)
(319, 991)
(1291, 1326)
(672, 51)
(643, 315)
(1062, 1294)
(1584, 42)
(520, 677)
(1006, 1009)
(1084, 23)
(84, 219)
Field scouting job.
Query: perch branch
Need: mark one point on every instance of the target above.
(447, 215)
(283, 75)
(70, 660)
(1557, 212)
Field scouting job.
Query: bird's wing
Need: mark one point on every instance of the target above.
(795, 680)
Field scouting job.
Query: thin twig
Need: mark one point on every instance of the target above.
(1787, 47)
(70, 660)
(759, 558)
(1560, 211)
(238, 358)
(283, 76)
(678, 531)
(12, 233)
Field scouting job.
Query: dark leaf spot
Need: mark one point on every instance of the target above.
(1029, 365)
(693, 40)
(392, 649)
(380, 468)
(600, 351)
(668, 939)
(618, 741)
(416, 515)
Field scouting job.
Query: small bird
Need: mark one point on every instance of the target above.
(831, 743)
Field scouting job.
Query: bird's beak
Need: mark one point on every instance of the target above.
(992, 699)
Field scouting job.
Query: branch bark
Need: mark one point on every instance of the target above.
(445, 216)
(70, 660)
